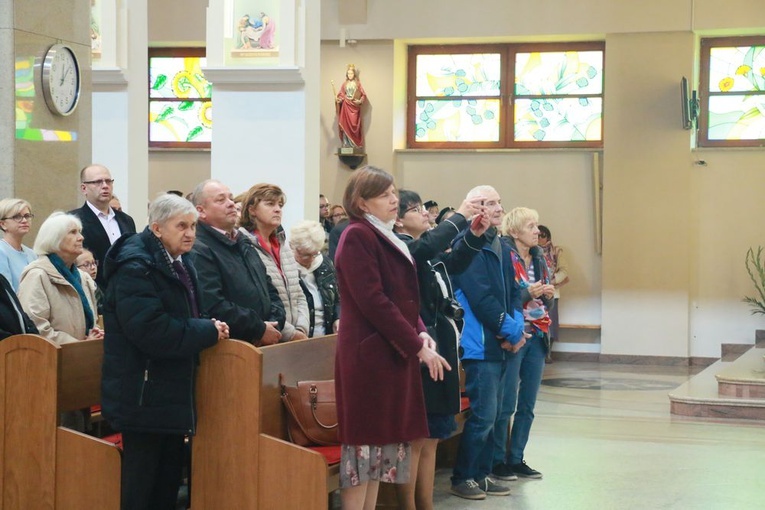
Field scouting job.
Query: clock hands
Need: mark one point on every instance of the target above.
(63, 76)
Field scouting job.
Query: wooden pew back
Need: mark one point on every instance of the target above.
(241, 455)
(302, 360)
(28, 378)
(224, 470)
(45, 466)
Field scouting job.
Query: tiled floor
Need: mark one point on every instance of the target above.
(619, 448)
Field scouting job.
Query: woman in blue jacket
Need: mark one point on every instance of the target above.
(524, 367)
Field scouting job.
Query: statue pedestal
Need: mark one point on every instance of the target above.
(351, 157)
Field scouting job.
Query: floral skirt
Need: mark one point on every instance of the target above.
(385, 463)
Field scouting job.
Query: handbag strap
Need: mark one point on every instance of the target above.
(314, 392)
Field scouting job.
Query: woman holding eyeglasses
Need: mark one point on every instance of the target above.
(317, 278)
(15, 221)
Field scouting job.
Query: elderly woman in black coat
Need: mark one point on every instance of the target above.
(317, 278)
(154, 336)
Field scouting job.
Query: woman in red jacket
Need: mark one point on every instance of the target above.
(380, 345)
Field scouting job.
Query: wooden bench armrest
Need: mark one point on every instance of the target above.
(87, 472)
(290, 476)
(579, 326)
(80, 374)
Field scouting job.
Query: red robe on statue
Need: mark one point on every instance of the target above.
(349, 113)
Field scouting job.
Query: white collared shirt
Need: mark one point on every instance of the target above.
(109, 222)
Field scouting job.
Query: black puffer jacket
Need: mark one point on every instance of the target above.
(442, 397)
(326, 281)
(234, 285)
(152, 342)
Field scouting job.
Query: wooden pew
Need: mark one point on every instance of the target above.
(303, 360)
(244, 461)
(44, 466)
(242, 457)
(225, 450)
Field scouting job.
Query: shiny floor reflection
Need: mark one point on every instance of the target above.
(604, 439)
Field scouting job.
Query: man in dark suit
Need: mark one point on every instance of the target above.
(101, 224)
(13, 320)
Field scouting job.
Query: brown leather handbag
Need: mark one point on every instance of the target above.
(311, 412)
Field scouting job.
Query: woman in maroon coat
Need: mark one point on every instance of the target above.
(380, 345)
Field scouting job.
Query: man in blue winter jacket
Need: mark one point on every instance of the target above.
(493, 330)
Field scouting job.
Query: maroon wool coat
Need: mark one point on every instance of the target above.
(377, 372)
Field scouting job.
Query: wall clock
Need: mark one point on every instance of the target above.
(61, 81)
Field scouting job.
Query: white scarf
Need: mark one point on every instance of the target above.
(386, 229)
(313, 267)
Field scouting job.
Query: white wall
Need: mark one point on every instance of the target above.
(558, 185)
(671, 277)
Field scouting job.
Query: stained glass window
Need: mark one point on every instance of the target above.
(506, 96)
(180, 107)
(732, 87)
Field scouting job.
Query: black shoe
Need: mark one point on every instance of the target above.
(525, 471)
(503, 472)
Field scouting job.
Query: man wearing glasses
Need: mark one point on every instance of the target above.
(101, 224)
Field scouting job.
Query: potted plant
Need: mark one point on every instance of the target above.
(756, 269)
(755, 266)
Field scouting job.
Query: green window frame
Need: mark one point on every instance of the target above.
(732, 92)
(180, 99)
(547, 95)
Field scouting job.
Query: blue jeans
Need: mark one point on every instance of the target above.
(483, 385)
(522, 380)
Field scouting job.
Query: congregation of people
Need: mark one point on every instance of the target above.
(415, 292)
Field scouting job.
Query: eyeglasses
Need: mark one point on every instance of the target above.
(339, 215)
(100, 182)
(417, 209)
(323, 206)
(303, 255)
(20, 217)
(88, 265)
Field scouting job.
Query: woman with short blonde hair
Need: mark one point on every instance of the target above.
(15, 222)
(520, 228)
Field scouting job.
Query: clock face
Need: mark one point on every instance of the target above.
(61, 79)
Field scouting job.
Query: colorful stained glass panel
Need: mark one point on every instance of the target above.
(458, 75)
(558, 120)
(178, 77)
(180, 121)
(561, 72)
(737, 69)
(737, 117)
(460, 120)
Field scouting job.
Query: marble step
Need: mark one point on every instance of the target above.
(700, 396)
(744, 378)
